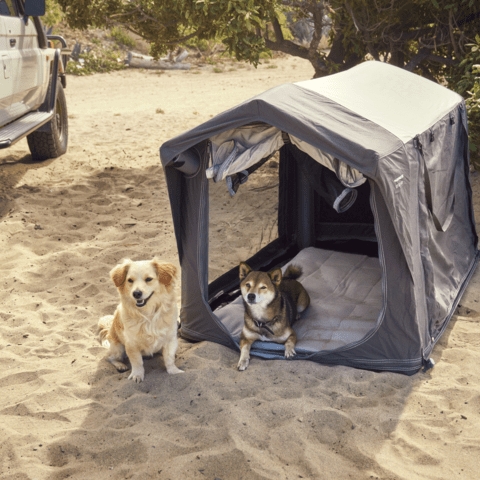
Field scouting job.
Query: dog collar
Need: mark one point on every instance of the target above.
(261, 325)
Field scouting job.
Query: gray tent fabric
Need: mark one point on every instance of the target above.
(409, 138)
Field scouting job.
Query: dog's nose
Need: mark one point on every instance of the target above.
(251, 297)
(137, 294)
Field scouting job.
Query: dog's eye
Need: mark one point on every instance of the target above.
(247, 285)
(130, 280)
(148, 279)
(263, 287)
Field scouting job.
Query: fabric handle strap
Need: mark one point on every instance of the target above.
(441, 227)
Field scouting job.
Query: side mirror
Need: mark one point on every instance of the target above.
(34, 8)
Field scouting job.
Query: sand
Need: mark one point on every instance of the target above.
(67, 413)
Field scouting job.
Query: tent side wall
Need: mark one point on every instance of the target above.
(189, 204)
(448, 240)
(396, 341)
(395, 344)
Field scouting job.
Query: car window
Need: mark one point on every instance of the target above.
(7, 8)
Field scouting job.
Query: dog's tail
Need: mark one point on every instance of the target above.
(103, 330)
(292, 272)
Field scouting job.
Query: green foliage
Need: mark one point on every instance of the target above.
(387, 29)
(97, 60)
(282, 20)
(465, 80)
(473, 111)
(249, 29)
(462, 77)
(122, 38)
(203, 45)
(266, 55)
(53, 13)
(166, 23)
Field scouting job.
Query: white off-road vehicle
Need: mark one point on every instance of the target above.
(32, 81)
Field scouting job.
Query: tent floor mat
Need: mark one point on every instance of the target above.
(346, 300)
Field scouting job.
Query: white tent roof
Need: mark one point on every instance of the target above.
(402, 103)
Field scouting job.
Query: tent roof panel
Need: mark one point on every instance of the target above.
(401, 102)
(311, 117)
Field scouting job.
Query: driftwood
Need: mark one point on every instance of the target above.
(137, 60)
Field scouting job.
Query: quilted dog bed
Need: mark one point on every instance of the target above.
(346, 300)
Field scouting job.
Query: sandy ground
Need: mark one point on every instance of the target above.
(67, 413)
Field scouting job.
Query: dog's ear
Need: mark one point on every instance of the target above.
(244, 270)
(166, 272)
(276, 276)
(119, 273)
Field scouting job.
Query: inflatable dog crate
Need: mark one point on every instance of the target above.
(369, 193)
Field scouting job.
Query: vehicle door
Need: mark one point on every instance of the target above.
(26, 72)
(6, 89)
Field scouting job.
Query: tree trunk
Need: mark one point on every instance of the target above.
(144, 61)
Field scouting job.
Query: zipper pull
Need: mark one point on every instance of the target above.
(417, 144)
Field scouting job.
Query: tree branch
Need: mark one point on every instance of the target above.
(443, 60)
(417, 59)
(287, 47)
(317, 31)
(278, 31)
(427, 73)
(144, 16)
(452, 37)
(304, 5)
(424, 54)
(365, 33)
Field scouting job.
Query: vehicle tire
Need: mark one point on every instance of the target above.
(44, 145)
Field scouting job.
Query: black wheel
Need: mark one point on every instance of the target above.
(44, 145)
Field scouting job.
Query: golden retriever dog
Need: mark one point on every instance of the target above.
(145, 321)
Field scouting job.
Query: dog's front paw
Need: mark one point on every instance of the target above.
(243, 364)
(174, 370)
(290, 352)
(121, 367)
(137, 376)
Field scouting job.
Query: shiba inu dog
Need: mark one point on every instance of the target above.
(272, 304)
(145, 321)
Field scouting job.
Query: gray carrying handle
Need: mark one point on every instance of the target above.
(441, 227)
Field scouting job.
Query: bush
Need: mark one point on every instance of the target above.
(473, 112)
(97, 60)
(465, 80)
(53, 14)
(122, 37)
